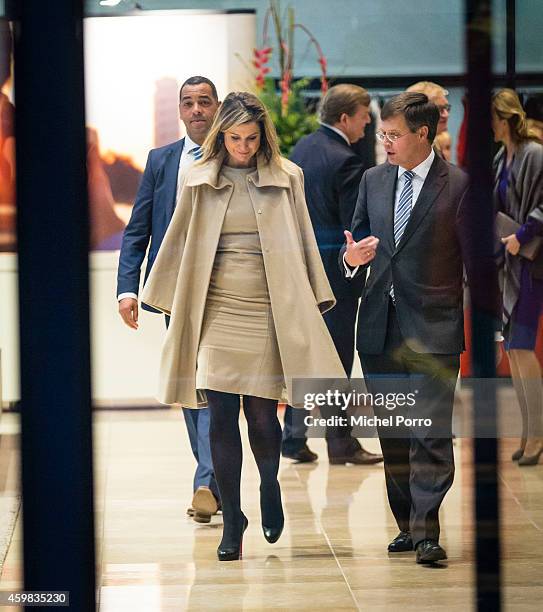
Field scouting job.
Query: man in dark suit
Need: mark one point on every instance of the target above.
(408, 223)
(151, 215)
(332, 173)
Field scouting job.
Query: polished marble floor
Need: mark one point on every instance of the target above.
(332, 555)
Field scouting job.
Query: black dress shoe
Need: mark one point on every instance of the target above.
(401, 543)
(359, 457)
(304, 455)
(233, 553)
(429, 551)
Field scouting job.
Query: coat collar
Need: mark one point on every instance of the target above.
(387, 195)
(265, 174)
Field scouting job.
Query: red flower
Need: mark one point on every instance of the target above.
(285, 90)
(261, 58)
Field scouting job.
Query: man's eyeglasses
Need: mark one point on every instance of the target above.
(444, 107)
(393, 137)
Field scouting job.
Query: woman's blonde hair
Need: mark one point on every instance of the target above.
(242, 107)
(506, 105)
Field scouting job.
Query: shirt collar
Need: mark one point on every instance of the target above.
(189, 144)
(422, 169)
(337, 131)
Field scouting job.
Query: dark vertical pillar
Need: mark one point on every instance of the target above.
(54, 300)
(511, 43)
(484, 298)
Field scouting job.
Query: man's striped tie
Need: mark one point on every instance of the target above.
(403, 210)
(402, 213)
(196, 152)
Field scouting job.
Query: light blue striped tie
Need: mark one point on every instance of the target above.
(196, 152)
(402, 213)
(403, 210)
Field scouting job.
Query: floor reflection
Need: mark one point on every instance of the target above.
(332, 555)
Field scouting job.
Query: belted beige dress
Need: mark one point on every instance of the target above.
(238, 350)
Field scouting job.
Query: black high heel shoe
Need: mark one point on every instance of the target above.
(233, 553)
(272, 532)
(517, 454)
(520, 451)
(531, 459)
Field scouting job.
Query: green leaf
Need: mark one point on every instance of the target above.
(298, 120)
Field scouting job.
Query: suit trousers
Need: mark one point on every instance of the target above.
(197, 422)
(341, 321)
(418, 460)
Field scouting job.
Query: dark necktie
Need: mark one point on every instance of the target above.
(402, 213)
(403, 210)
(196, 152)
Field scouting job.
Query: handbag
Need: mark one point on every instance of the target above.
(505, 226)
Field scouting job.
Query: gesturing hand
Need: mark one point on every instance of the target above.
(362, 252)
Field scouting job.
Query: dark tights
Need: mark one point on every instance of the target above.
(265, 439)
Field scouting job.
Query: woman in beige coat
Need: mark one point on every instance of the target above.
(241, 276)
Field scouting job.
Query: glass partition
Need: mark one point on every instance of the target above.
(155, 545)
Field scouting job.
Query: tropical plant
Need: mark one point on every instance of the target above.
(293, 120)
(289, 111)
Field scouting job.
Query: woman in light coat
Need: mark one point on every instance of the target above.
(518, 192)
(241, 276)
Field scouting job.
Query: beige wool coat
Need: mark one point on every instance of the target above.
(298, 287)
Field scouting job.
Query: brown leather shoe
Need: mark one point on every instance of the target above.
(204, 505)
(359, 457)
(304, 455)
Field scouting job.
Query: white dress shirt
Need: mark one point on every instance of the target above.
(337, 131)
(420, 173)
(185, 163)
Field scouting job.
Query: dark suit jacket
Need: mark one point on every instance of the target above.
(332, 173)
(151, 215)
(426, 267)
